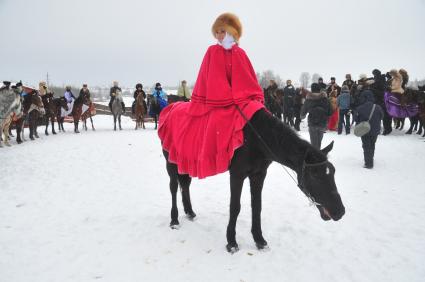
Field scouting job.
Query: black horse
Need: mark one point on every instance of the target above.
(267, 139)
(53, 108)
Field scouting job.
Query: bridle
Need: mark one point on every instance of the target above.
(300, 182)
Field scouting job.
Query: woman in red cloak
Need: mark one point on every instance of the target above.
(202, 135)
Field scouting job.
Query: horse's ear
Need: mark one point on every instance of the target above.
(328, 148)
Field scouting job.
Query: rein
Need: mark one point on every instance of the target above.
(299, 184)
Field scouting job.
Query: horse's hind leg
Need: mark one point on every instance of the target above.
(256, 182)
(184, 181)
(52, 120)
(174, 185)
(91, 120)
(119, 122)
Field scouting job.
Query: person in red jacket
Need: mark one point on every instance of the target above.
(201, 136)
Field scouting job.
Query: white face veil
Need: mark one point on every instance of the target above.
(228, 41)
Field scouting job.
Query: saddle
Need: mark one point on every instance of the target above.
(65, 113)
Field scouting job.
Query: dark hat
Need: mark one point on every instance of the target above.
(158, 84)
(320, 78)
(139, 85)
(84, 85)
(7, 83)
(332, 78)
(376, 72)
(19, 84)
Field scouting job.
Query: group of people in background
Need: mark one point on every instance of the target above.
(331, 107)
(328, 106)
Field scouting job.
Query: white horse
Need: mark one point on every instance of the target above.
(117, 109)
(10, 103)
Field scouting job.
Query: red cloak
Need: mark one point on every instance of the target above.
(202, 135)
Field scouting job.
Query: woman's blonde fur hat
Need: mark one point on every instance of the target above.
(230, 23)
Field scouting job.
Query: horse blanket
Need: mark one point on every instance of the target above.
(396, 108)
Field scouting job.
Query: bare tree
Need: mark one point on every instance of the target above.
(315, 77)
(305, 79)
(265, 77)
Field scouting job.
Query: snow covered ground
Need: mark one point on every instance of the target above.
(95, 206)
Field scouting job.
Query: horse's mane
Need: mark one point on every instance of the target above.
(279, 136)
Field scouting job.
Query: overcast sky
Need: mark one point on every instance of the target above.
(98, 41)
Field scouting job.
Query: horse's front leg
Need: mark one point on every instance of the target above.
(115, 122)
(256, 182)
(236, 183)
(47, 125)
(76, 125)
(119, 122)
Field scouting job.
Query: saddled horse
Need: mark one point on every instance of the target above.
(154, 108)
(117, 110)
(140, 112)
(10, 105)
(267, 139)
(53, 108)
(33, 109)
(88, 111)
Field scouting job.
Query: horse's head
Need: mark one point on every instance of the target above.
(316, 180)
(63, 103)
(395, 82)
(118, 95)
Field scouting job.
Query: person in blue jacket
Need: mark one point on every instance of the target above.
(343, 102)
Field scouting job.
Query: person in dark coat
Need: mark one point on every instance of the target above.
(378, 88)
(112, 93)
(137, 92)
(332, 86)
(321, 84)
(348, 81)
(298, 103)
(288, 103)
(318, 108)
(85, 91)
(362, 113)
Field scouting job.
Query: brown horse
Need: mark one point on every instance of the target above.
(77, 109)
(140, 112)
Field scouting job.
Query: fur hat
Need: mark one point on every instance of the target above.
(405, 77)
(230, 23)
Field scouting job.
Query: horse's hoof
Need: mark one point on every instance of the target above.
(47, 134)
(191, 215)
(76, 131)
(262, 245)
(19, 141)
(232, 248)
(174, 224)
(32, 138)
(36, 136)
(54, 132)
(409, 132)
